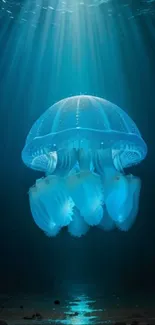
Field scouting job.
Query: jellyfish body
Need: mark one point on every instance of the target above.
(84, 144)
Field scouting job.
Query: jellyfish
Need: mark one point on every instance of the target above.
(84, 146)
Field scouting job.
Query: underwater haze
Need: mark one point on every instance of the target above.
(61, 50)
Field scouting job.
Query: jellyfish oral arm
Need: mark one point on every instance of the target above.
(131, 206)
(51, 205)
(85, 188)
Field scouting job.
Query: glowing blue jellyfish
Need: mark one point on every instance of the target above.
(83, 144)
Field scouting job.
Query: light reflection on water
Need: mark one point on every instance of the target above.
(31, 12)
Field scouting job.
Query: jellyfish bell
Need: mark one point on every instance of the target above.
(86, 122)
(93, 141)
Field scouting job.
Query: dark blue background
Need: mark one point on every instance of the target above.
(30, 261)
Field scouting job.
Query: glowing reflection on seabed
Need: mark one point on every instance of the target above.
(80, 312)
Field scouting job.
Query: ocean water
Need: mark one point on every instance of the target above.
(50, 50)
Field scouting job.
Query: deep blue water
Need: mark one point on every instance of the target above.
(105, 50)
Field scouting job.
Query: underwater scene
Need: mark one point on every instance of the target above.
(77, 116)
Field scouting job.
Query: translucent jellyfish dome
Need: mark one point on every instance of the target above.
(83, 122)
(83, 144)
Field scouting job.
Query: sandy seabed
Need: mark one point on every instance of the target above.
(81, 309)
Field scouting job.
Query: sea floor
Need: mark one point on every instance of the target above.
(78, 309)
